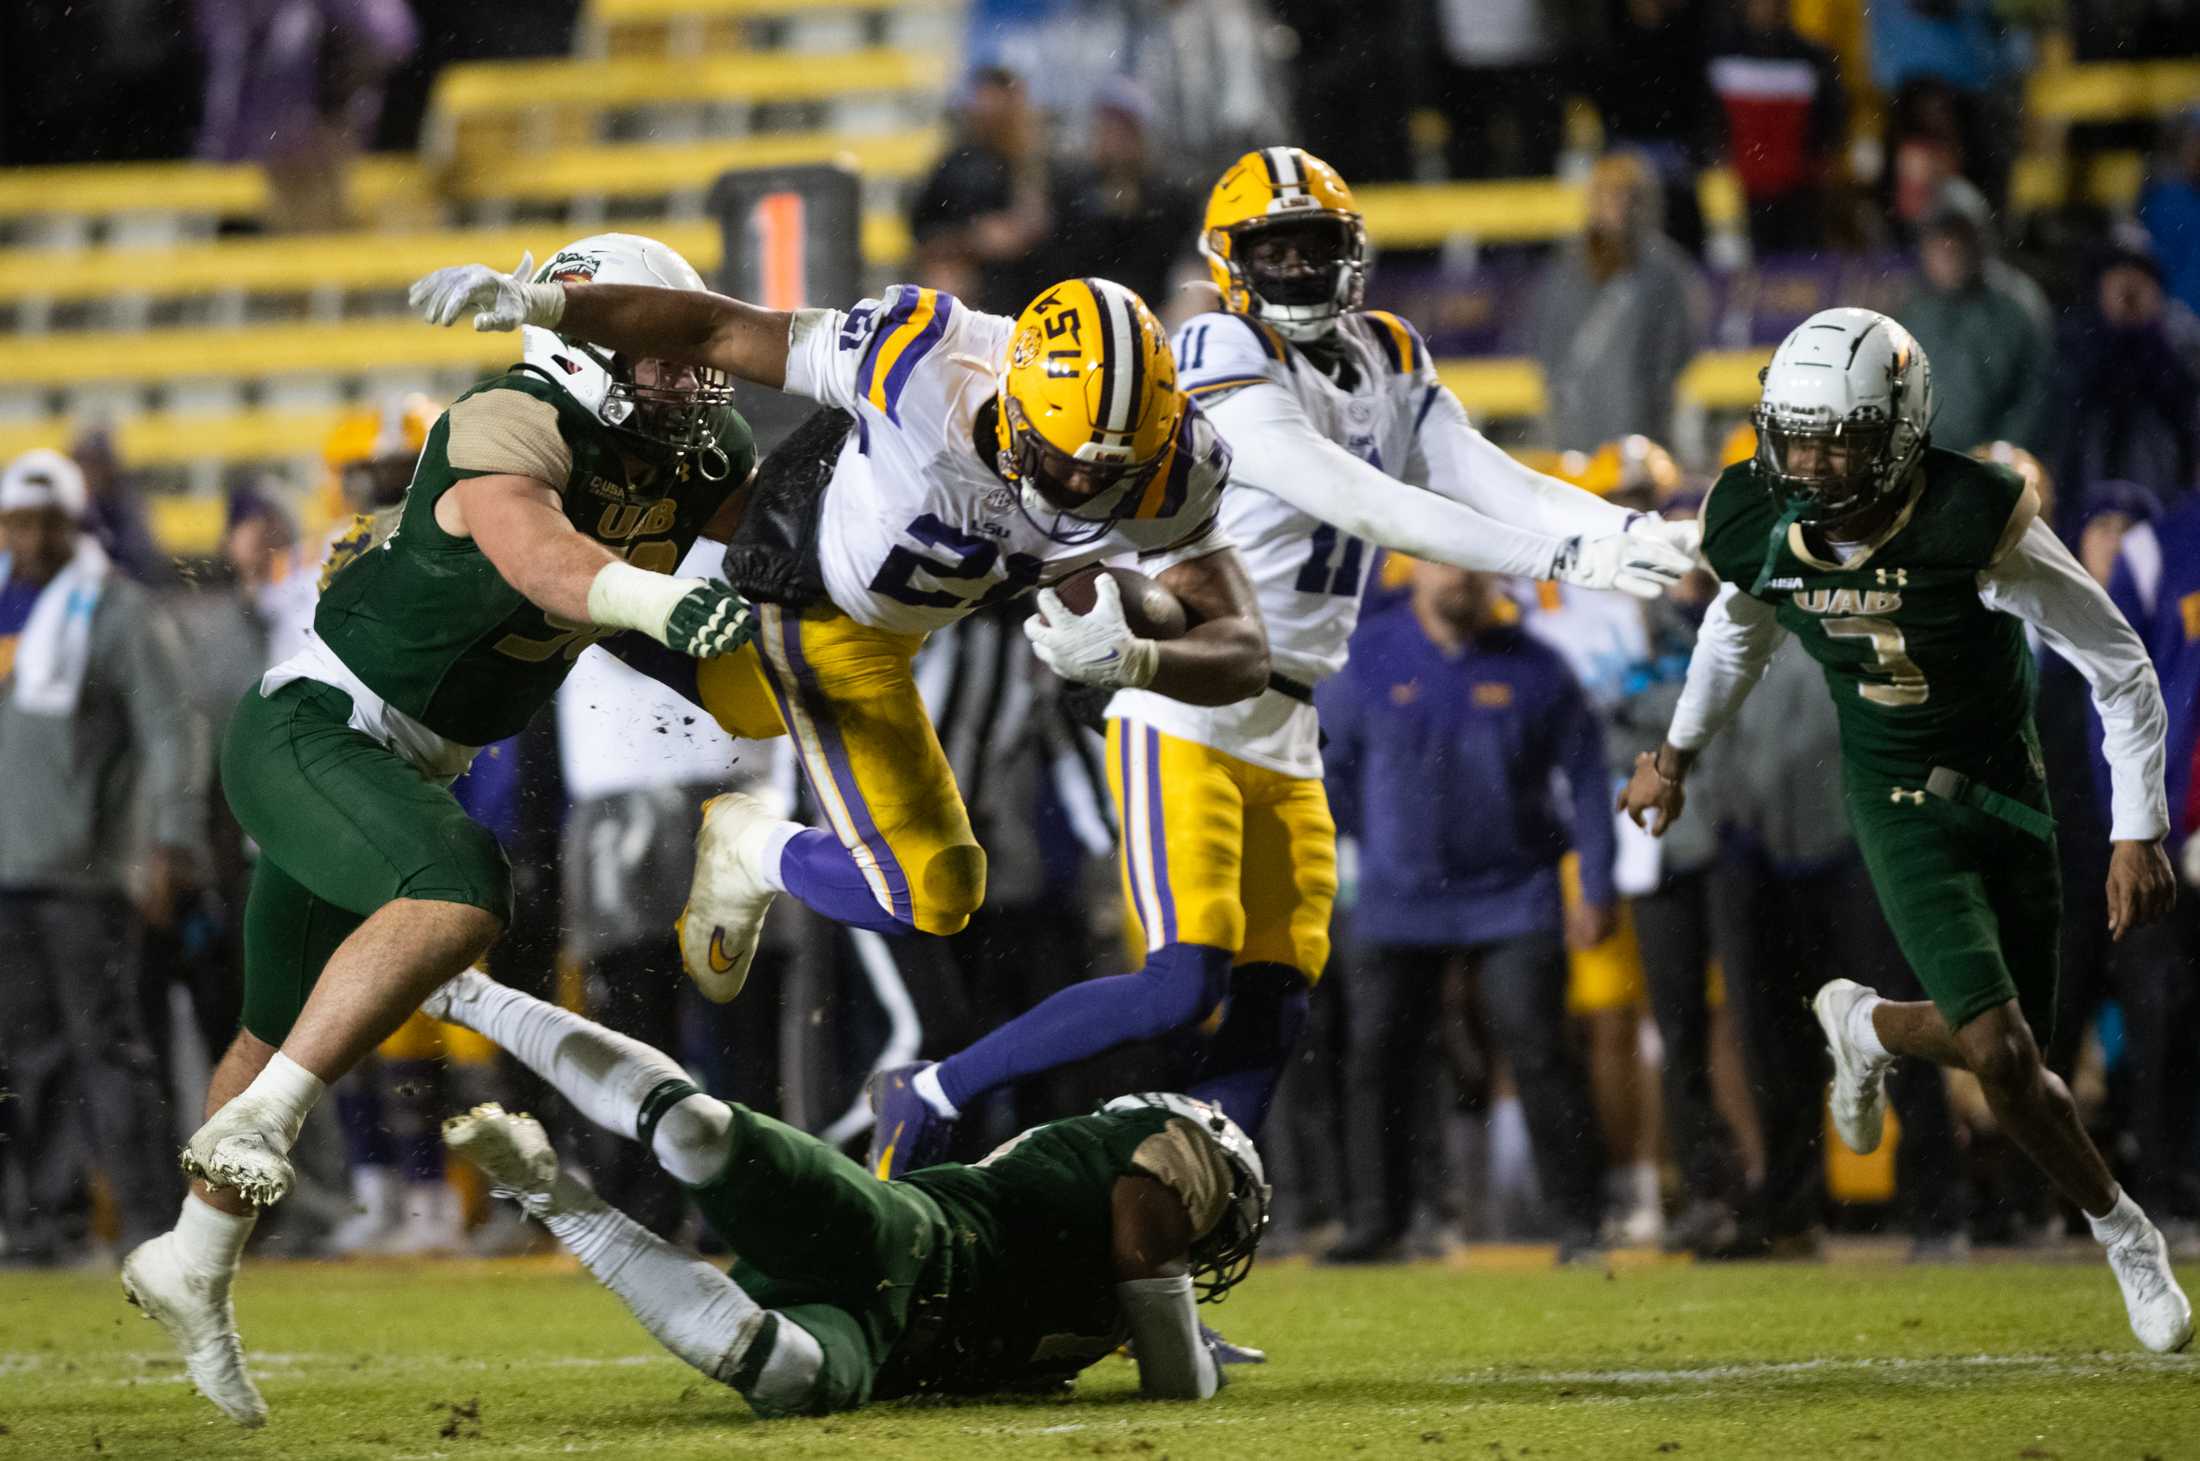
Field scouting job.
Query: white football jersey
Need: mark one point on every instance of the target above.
(917, 529)
(1309, 575)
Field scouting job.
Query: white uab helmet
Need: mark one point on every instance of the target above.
(1848, 400)
(670, 406)
(1224, 1256)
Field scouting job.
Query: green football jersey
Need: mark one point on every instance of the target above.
(427, 622)
(1032, 1298)
(1923, 673)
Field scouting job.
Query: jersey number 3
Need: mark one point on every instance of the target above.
(1890, 657)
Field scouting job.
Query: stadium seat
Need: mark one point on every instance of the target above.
(560, 176)
(2112, 91)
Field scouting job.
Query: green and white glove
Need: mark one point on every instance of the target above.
(498, 301)
(691, 616)
(710, 621)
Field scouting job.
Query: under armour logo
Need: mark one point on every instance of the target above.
(1898, 796)
(1899, 577)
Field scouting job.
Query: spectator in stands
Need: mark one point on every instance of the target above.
(117, 510)
(1210, 68)
(2127, 380)
(1656, 102)
(2155, 581)
(1984, 325)
(296, 85)
(1502, 79)
(1355, 77)
(1449, 729)
(1948, 67)
(2169, 207)
(1671, 881)
(105, 766)
(1617, 315)
(1127, 221)
(984, 220)
(1785, 113)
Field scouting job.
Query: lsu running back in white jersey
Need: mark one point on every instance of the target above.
(917, 528)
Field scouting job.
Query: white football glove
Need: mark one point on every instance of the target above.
(1684, 533)
(499, 301)
(1645, 560)
(1092, 649)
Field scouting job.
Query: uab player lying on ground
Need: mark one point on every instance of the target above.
(1910, 573)
(1012, 1274)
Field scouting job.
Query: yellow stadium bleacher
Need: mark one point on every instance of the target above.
(491, 88)
(2111, 91)
(207, 189)
(300, 264)
(611, 171)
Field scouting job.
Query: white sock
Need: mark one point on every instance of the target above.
(927, 1084)
(211, 1242)
(1642, 1184)
(687, 1305)
(775, 848)
(288, 1092)
(606, 1075)
(1862, 1033)
(2121, 1222)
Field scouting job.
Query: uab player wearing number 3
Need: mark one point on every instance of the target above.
(547, 510)
(1909, 573)
(1229, 852)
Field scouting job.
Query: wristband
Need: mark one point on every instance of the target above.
(622, 596)
(544, 304)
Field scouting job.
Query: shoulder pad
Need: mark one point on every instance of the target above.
(1218, 350)
(906, 326)
(1400, 343)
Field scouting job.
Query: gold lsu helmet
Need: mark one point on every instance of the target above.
(1286, 193)
(1634, 471)
(371, 451)
(1089, 405)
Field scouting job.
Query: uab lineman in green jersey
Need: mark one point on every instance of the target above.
(1910, 575)
(548, 509)
(1013, 1274)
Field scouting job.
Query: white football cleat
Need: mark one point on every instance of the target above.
(447, 1001)
(197, 1315)
(1859, 1100)
(729, 898)
(239, 1150)
(2160, 1314)
(512, 1150)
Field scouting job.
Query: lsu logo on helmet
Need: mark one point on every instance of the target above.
(1089, 406)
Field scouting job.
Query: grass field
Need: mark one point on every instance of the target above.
(1494, 1359)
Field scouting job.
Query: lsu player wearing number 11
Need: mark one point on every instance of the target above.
(1909, 573)
(1336, 422)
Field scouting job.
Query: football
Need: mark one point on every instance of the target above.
(1151, 610)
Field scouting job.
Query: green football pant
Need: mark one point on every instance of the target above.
(827, 1245)
(1975, 902)
(343, 826)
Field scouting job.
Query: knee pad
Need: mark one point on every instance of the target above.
(1186, 982)
(952, 887)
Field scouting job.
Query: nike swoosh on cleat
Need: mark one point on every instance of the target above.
(720, 961)
(886, 1157)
